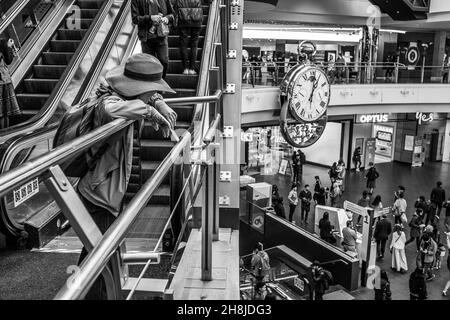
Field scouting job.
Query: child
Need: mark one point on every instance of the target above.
(439, 255)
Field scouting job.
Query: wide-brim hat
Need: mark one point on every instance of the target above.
(141, 73)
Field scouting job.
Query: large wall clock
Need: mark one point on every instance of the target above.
(304, 112)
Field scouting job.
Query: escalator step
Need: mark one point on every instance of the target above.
(89, 4)
(175, 31)
(64, 45)
(184, 113)
(88, 13)
(155, 150)
(32, 101)
(176, 66)
(150, 133)
(39, 85)
(48, 71)
(182, 81)
(181, 92)
(174, 53)
(71, 34)
(161, 195)
(59, 58)
(148, 168)
(150, 223)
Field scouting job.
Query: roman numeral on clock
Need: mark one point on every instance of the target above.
(302, 113)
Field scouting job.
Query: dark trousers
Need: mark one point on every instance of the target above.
(305, 212)
(291, 211)
(189, 36)
(159, 48)
(412, 239)
(297, 174)
(103, 219)
(381, 247)
(438, 209)
(397, 219)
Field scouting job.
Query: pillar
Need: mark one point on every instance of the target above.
(440, 38)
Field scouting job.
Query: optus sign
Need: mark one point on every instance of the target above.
(372, 118)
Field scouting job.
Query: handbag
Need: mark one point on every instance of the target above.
(163, 30)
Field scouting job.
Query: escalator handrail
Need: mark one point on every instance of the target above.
(12, 14)
(43, 116)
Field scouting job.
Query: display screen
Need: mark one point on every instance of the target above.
(385, 136)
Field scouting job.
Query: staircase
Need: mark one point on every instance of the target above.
(404, 10)
(42, 78)
(151, 149)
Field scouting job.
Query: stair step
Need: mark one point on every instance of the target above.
(88, 13)
(32, 101)
(176, 66)
(133, 187)
(71, 34)
(40, 85)
(174, 53)
(184, 113)
(147, 287)
(148, 168)
(161, 195)
(182, 81)
(60, 58)
(64, 45)
(135, 178)
(155, 150)
(89, 4)
(48, 71)
(149, 132)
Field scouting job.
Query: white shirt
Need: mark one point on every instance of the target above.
(293, 197)
(400, 206)
(398, 241)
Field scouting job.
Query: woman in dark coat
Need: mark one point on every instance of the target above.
(326, 229)
(415, 229)
(8, 102)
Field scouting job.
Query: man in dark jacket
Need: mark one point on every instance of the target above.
(147, 15)
(190, 17)
(306, 197)
(438, 197)
(383, 229)
(417, 285)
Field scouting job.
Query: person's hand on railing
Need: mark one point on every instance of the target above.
(157, 121)
(167, 112)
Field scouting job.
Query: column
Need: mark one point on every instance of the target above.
(440, 38)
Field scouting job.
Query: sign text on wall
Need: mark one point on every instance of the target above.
(373, 118)
(424, 117)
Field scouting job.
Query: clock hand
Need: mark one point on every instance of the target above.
(313, 89)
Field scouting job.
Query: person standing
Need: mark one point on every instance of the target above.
(447, 285)
(341, 68)
(349, 237)
(306, 197)
(321, 197)
(322, 279)
(341, 174)
(296, 166)
(317, 185)
(277, 202)
(384, 291)
(381, 234)
(447, 215)
(437, 197)
(364, 202)
(293, 201)
(417, 285)
(335, 193)
(260, 263)
(152, 18)
(326, 229)
(371, 176)
(8, 102)
(415, 229)
(357, 159)
(399, 209)
(189, 21)
(397, 248)
(427, 254)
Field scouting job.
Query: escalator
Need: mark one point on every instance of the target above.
(35, 89)
(404, 10)
(38, 219)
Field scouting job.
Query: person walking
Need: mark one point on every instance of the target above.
(437, 197)
(333, 171)
(341, 174)
(371, 176)
(427, 253)
(306, 197)
(335, 193)
(9, 106)
(326, 229)
(349, 237)
(377, 206)
(321, 278)
(447, 284)
(399, 209)
(397, 248)
(277, 202)
(417, 285)
(357, 159)
(415, 230)
(189, 15)
(102, 189)
(152, 17)
(317, 185)
(260, 263)
(384, 291)
(364, 202)
(296, 166)
(381, 234)
(293, 201)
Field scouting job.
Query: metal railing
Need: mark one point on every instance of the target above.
(272, 73)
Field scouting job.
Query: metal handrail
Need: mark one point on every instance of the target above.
(97, 259)
(12, 14)
(45, 114)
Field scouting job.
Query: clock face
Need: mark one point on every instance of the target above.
(309, 94)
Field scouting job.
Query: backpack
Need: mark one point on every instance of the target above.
(78, 121)
(328, 278)
(372, 174)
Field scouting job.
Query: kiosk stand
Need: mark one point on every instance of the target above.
(368, 247)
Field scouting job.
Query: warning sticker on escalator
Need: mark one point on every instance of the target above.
(25, 192)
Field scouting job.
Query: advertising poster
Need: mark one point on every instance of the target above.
(370, 151)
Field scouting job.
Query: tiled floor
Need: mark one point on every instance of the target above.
(418, 181)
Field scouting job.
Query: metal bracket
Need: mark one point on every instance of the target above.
(225, 176)
(235, 3)
(60, 178)
(234, 26)
(231, 88)
(224, 201)
(227, 132)
(232, 54)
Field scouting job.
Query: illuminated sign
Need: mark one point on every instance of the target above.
(424, 117)
(373, 118)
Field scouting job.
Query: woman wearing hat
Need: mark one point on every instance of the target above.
(133, 97)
